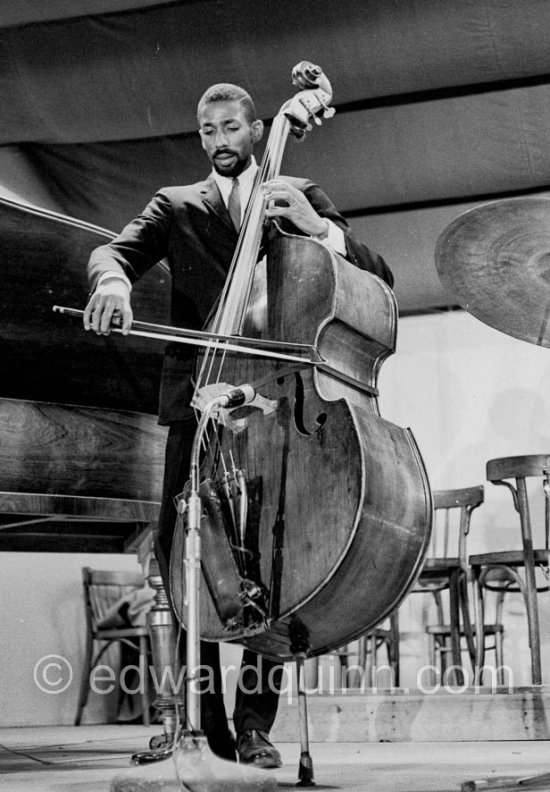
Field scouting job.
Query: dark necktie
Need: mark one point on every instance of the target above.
(234, 204)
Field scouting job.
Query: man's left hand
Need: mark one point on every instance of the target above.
(285, 200)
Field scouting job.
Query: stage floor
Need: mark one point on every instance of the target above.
(87, 758)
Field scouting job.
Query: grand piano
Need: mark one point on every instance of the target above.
(81, 453)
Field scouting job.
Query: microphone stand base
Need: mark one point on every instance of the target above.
(194, 767)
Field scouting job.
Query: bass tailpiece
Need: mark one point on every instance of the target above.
(240, 600)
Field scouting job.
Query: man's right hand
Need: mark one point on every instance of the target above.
(109, 305)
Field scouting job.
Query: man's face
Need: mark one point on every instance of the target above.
(227, 136)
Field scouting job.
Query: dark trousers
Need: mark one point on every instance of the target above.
(259, 679)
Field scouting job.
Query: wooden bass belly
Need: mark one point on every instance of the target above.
(338, 549)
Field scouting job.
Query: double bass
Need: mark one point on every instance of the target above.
(316, 512)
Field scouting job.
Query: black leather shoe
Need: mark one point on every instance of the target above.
(255, 749)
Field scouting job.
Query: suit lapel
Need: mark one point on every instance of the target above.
(213, 201)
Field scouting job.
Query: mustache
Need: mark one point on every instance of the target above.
(223, 151)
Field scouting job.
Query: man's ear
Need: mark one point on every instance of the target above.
(202, 139)
(257, 130)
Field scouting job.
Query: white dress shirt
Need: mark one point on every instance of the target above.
(335, 237)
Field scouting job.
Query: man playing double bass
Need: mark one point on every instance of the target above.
(192, 228)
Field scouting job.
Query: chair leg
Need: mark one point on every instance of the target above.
(499, 658)
(454, 618)
(499, 638)
(355, 674)
(479, 622)
(466, 620)
(362, 651)
(433, 654)
(370, 660)
(393, 647)
(443, 650)
(374, 661)
(533, 629)
(531, 584)
(84, 690)
(439, 607)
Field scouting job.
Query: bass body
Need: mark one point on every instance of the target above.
(338, 504)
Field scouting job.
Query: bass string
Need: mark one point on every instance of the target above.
(234, 297)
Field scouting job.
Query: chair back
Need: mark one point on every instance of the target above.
(452, 514)
(513, 472)
(103, 589)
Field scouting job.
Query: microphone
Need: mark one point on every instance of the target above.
(237, 397)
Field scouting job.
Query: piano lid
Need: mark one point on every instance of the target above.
(49, 357)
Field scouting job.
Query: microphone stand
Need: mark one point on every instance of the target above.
(194, 763)
(192, 556)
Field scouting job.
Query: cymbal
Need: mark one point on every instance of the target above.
(495, 260)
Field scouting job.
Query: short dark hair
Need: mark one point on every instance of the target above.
(227, 92)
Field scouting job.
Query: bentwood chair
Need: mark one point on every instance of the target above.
(445, 576)
(359, 661)
(387, 637)
(506, 571)
(105, 594)
(447, 570)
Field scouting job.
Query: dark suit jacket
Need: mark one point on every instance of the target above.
(191, 227)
